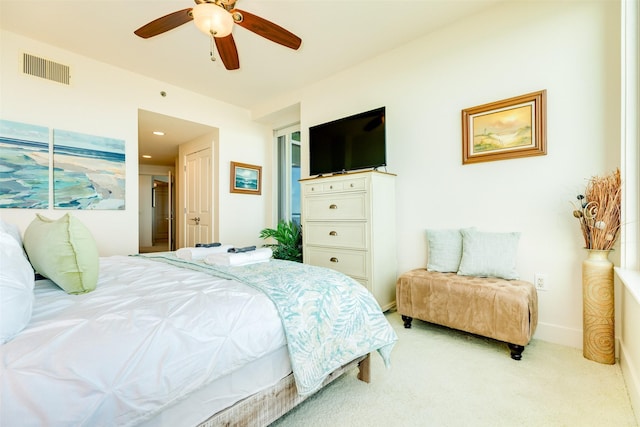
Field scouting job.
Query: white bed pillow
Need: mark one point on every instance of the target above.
(486, 254)
(16, 286)
(12, 230)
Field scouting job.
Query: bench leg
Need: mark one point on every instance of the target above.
(516, 351)
(407, 321)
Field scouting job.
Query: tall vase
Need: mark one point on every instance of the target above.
(598, 307)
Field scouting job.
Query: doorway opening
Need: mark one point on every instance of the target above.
(157, 168)
(162, 214)
(157, 206)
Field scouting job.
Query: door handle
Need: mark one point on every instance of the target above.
(196, 219)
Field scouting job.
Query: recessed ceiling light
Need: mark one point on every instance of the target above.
(157, 132)
(146, 156)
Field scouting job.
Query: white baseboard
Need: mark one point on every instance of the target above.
(565, 336)
(630, 348)
(559, 335)
(631, 375)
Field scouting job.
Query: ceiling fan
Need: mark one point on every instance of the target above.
(216, 18)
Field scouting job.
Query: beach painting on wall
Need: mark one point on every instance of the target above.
(24, 165)
(88, 171)
(246, 178)
(505, 129)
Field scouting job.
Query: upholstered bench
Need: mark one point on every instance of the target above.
(505, 310)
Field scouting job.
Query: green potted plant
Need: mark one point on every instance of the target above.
(288, 234)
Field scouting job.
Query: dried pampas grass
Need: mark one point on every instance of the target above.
(599, 211)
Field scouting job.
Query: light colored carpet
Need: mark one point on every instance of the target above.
(443, 377)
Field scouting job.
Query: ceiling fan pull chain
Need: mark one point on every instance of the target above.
(212, 49)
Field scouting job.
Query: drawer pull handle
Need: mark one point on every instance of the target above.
(333, 259)
(332, 206)
(333, 233)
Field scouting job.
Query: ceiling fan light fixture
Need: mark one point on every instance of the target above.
(212, 20)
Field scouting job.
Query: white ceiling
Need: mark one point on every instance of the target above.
(335, 35)
(164, 149)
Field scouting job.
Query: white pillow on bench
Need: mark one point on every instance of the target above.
(445, 250)
(486, 254)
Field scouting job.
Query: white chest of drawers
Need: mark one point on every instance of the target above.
(348, 224)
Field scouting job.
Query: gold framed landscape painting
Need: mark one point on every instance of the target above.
(506, 129)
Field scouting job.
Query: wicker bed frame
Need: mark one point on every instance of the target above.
(263, 408)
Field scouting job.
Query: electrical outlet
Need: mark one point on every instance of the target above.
(540, 281)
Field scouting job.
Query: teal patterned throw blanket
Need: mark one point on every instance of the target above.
(329, 319)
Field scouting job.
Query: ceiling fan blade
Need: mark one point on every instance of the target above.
(267, 29)
(166, 23)
(228, 53)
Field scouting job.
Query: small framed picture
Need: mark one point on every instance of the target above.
(507, 129)
(246, 179)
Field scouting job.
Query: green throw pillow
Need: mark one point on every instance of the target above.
(64, 251)
(489, 254)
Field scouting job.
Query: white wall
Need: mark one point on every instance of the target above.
(103, 100)
(629, 271)
(238, 211)
(571, 49)
(630, 343)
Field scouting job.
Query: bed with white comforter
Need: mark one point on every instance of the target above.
(170, 342)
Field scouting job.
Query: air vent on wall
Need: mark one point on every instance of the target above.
(46, 69)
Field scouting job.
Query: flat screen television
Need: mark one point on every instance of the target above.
(347, 144)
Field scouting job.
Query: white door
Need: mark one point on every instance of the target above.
(170, 210)
(198, 202)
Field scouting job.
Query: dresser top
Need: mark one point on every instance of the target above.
(346, 175)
